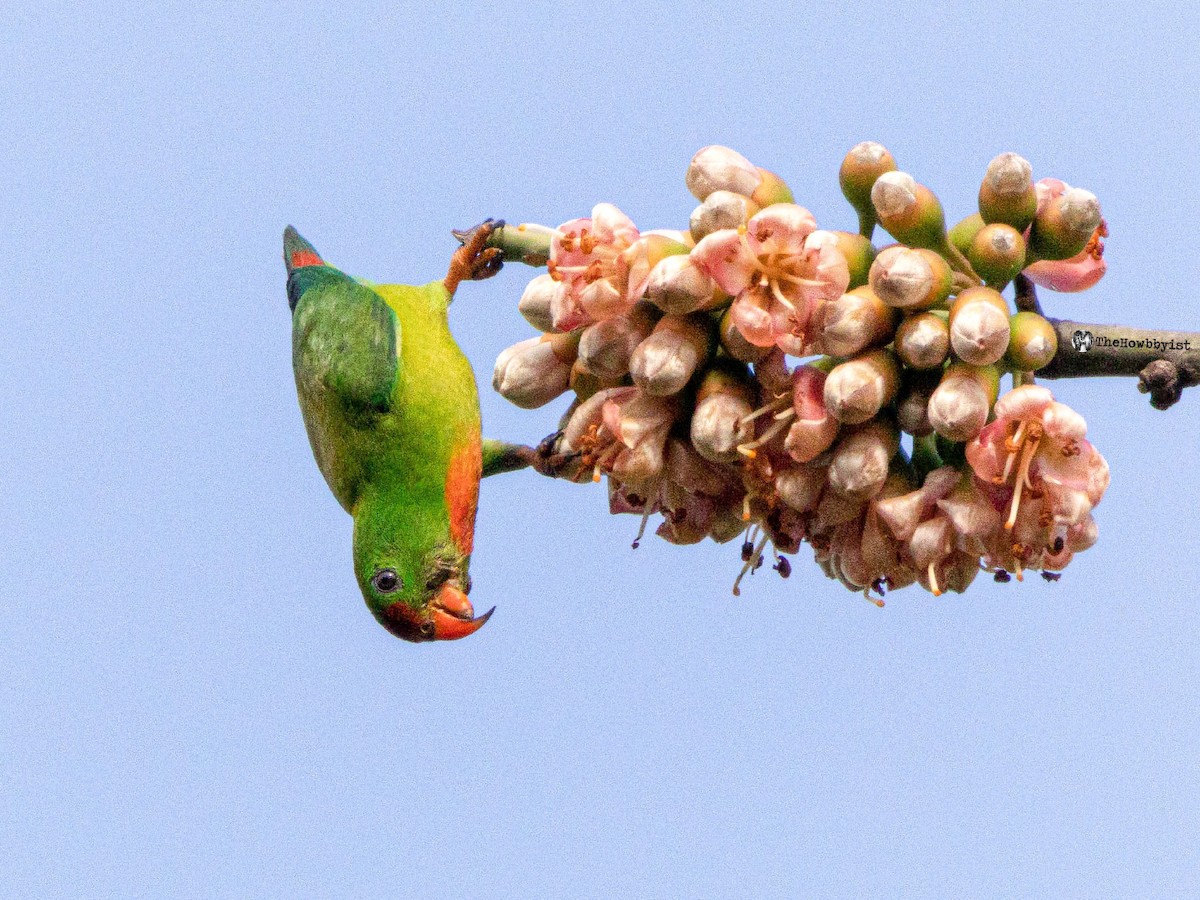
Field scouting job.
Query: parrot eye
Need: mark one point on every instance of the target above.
(386, 581)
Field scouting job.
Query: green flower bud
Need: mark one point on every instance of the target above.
(909, 211)
(1033, 343)
(963, 234)
(856, 390)
(860, 169)
(1065, 224)
(859, 253)
(997, 254)
(772, 189)
(923, 341)
(1007, 195)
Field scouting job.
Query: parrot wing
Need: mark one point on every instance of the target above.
(345, 337)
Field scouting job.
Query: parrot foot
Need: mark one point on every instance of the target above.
(474, 260)
(548, 459)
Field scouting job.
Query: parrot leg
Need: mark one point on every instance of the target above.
(474, 261)
(545, 459)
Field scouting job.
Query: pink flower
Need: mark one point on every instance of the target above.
(1036, 465)
(585, 260)
(779, 269)
(1078, 273)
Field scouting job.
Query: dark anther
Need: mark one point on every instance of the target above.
(783, 567)
(1001, 577)
(1059, 543)
(758, 563)
(1052, 576)
(747, 551)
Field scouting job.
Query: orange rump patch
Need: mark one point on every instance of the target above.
(462, 491)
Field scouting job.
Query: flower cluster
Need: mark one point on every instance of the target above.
(756, 376)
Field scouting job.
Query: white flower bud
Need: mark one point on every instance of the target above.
(605, 348)
(979, 332)
(856, 390)
(721, 209)
(958, 407)
(531, 374)
(859, 466)
(893, 194)
(535, 302)
(718, 426)
(664, 362)
(717, 168)
(678, 286)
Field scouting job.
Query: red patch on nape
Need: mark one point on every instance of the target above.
(462, 491)
(302, 258)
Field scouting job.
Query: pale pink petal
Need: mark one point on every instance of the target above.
(1025, 402)
(781, 228)
(1047, 189)
(613, 227)
(565, 246)
(827, 264)
(728, 259)
(1063, 425)
(1068, 276)
(601, 300)
(753, 319)
(566, 314)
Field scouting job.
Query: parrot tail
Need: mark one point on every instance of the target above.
(297, 252)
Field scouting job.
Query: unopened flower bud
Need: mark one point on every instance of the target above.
(717, 168)
(1007, 195)
(535, 302)
(856, 390)
(605, 347)
(963, 234)
(923, 341)
(958, 407)
(855, 321)
(909, 211)
(532, 373)
(859, 253)
(908, 278)
(860, 170)
(665, 361)
(979, 330)
(1033, 343)
(721, 209)
(678, 286)
(912, 407)
(800, 486)
(859, 466)
(771, 190)
(1064, 224)
(586, 385)
(638, 260)
(813, 429)
(723, 403)
(736, 345)
(997, 254)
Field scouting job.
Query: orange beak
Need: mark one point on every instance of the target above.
(452, 615)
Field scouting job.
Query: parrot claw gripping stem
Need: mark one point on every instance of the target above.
(474, 260)
(546, 459)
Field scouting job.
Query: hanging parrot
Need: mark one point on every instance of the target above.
(392, 413)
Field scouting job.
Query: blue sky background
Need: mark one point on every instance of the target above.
(193, 699)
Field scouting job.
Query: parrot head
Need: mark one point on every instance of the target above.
(416, 595)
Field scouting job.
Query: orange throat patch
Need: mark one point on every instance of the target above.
(462, 491)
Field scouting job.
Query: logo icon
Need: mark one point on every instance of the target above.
(1082, 341)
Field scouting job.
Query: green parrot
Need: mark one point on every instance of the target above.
(392, 413)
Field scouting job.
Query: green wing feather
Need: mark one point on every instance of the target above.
(344, 343)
